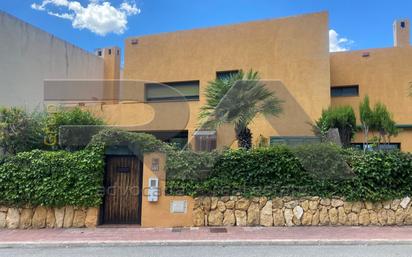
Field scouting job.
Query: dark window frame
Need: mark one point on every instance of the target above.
(396, 145)
(293, 140)
(339, 91)
(174, 84)
(225, 73)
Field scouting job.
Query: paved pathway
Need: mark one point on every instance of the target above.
(201, 236)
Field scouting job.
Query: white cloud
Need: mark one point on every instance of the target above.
(338, 43)
(98, 16)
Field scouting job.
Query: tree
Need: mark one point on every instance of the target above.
(341, 117)
(383, 123)
(20, 130)
(366, 118)
(238, 99)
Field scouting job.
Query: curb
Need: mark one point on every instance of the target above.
(74, 244)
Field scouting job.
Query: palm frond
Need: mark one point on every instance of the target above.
(238, 99)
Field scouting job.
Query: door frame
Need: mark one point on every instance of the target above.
(140, 185)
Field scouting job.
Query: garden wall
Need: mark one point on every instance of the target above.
(43, 217)
(304, 211)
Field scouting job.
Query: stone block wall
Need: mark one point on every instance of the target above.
(44, 217)
(305, 211)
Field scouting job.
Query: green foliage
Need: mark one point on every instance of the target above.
(282, 171)
(382, 121)
(138, 143)
(54, 179)
(20, 130)
(366, 118)
(323, 161)
(341, 117)
(74, 138)
(237, 100)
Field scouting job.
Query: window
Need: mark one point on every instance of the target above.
(294, 140)
(110, 51)
(337, 91)
(382, 146)
(99, 53)
(226, 74)
(118, 52)
(187, 90)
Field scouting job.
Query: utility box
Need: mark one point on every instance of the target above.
(153, 192)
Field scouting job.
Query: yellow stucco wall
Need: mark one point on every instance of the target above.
(158, 214)
(293, 51)
(385, 76)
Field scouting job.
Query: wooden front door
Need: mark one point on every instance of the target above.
(123, 190)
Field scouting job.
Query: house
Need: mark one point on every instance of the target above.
(292, 56)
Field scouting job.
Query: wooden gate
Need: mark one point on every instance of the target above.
(123, 190)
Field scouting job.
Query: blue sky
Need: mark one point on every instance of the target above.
(365, 22)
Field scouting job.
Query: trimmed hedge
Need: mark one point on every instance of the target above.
(55, 178)
(302, 171)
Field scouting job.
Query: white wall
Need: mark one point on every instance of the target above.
(28, 56)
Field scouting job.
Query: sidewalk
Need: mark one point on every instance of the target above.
(205, 236)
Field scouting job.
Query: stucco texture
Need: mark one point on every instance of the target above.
(291, 51)
(384, 76)
(29, 56)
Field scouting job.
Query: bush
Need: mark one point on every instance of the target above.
(52, 179)
(72, 128)
(341, 117)
(138, 143)
(20, 130)
(281, 171)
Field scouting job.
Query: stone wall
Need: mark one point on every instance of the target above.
(43, 217)
(305, 211)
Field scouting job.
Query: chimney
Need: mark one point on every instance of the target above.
(401, 33)
(111, 73)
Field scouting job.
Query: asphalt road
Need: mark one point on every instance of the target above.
(216, 251)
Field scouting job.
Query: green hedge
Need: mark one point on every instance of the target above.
(313, 170)
(55, 178)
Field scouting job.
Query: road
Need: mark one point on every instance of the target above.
(216, 251)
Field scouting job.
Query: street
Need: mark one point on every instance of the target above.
(206, 251)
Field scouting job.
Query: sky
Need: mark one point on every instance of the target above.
(92, 24)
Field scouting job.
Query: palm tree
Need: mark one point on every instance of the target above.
(238, 99)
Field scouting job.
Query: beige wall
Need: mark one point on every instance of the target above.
(158, 214)
(29, 56)
(293, 51)
(385, 76)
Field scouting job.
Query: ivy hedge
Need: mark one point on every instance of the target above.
(52, 178)
(313, 170)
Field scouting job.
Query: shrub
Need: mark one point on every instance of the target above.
(281, 171)
(341, 117)
(54, 179)
(20, 130)
(138, 143)
(78, 128)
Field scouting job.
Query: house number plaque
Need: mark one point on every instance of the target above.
(155, 164)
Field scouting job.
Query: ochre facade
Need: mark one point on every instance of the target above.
(384, 75)
(290, 54)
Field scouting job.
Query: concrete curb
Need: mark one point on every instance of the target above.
(74, 244)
